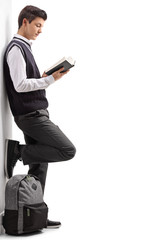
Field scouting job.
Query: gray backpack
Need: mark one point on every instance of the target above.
(25, 210)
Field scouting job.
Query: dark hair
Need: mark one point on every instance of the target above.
(30, 13)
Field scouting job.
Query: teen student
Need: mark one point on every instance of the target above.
(45, 142)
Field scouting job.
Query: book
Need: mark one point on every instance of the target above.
(67, 63)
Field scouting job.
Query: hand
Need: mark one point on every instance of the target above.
(58, 74)
(44, 75)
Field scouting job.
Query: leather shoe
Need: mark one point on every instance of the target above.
(53, 224)
(12, 155)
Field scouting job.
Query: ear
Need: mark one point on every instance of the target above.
(25, 21)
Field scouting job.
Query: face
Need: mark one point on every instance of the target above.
(33, 29)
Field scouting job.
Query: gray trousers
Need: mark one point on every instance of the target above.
(45, 143)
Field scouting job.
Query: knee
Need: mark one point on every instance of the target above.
(73, 153)
(70, 153)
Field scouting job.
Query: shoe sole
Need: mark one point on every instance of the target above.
(5, 159)
(53, 227)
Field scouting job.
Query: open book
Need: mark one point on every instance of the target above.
(67, 63)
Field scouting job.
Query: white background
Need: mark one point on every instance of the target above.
(108, 105)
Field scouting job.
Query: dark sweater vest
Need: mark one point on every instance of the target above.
(23, 102)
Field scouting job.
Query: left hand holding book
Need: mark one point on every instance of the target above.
(60, 68)
(58, 74)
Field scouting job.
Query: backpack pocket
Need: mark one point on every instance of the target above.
(34, 217)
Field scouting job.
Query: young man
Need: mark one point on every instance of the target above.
(45, 142)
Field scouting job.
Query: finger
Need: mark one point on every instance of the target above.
(44, 75)
(65, 72)
(61, 69)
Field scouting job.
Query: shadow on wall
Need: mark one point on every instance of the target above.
(5, 114)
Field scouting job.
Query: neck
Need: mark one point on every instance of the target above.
(22, 33)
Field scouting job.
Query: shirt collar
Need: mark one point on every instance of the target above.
(23, 38)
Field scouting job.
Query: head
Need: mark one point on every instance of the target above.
(30, 22)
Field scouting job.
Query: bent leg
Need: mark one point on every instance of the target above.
(51, 143)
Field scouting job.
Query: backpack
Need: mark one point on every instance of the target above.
(25, 210)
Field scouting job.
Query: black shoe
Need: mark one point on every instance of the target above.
(53, 224)
(12, 154)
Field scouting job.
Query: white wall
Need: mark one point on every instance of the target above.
(5, 115)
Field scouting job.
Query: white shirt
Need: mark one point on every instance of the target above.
(17, 67)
